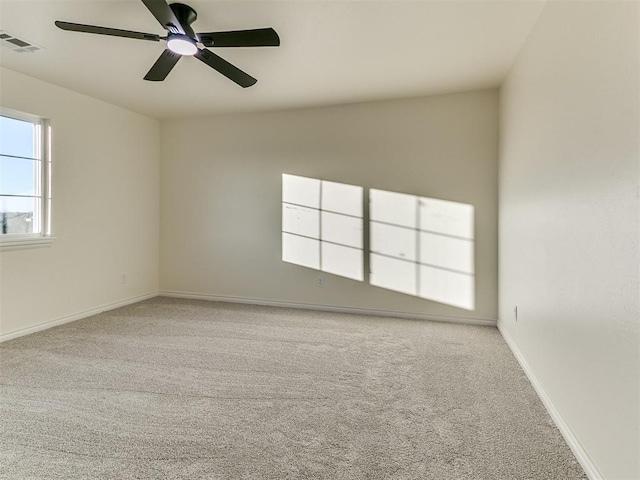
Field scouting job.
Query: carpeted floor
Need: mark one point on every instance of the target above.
(183, 389)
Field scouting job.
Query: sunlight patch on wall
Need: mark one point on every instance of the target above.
(423, 247)
(322, 225)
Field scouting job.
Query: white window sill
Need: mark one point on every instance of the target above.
(17, 243)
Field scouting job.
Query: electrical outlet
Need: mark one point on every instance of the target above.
(124, 278)
(320, 282)
(515, 312)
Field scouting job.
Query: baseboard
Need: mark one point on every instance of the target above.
(486, 322)
(76, 316)
(576, 447)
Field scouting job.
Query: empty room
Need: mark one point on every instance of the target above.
(320, 239)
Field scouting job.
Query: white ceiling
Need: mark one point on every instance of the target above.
(331, 51)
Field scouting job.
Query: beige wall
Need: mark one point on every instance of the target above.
(105, 208)
(221, 192)
(569, 251)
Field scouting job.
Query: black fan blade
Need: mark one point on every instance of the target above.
(163, 13)
(259, 37)
(114, 32)
(163, 66)
(232, 72)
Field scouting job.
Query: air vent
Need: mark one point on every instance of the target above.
(16, 44)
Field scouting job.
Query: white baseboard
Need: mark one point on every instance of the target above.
(76, 316)
(576, 447)
(486, 322)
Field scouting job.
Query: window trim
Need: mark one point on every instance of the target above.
(18, 241)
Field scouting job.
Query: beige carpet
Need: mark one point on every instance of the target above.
(181, 389)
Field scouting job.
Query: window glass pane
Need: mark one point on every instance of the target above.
(342, 229)
(456, 289)
(18, 215)
(343, 261)
(447, 252)
(395, 241)
(19, 176)
(301, 251)
(301, 220)
(442, 216)
(392, 207)
(301, 190)
(342, 198)
(17, 137)
(392, 274)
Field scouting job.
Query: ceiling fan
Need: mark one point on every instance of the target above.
(182, 40)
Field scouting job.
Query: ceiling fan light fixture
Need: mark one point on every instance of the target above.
(182, 45)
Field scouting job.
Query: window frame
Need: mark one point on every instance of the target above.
(43, 238)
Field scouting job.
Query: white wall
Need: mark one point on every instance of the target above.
(105, 208)
(569, 250)
(221, 192)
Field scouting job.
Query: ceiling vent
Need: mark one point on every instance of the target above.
(16, 44)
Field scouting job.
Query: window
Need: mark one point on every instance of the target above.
(423, 247)
(25, 181)
(322, 225)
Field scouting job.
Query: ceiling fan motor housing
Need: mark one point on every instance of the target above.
(185, 14)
